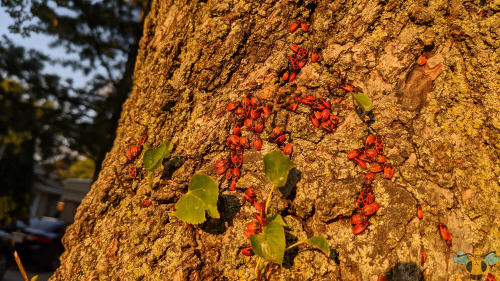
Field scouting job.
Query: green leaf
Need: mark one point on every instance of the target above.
(277, 166)
(276, 218)
(363, 101)
(153, 157)
(320, 243)
(202, 196)
(270, 244)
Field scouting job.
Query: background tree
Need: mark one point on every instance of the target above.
(197, 56)
(104, 36)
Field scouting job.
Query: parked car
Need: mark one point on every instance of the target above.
(6, 252)
(38, 240)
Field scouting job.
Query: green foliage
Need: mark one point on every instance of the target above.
(276, 166)
(153, 158)
(363, 102)
(276, 218)
(202, 196)
(270, 244)
(320, 243)
(82, 169)
(16, 180)
(101, 38)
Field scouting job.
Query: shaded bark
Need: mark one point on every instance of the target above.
(196, 57)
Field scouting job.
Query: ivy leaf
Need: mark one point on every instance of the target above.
(270, 244)
(276, 166)
(320, 243)
(202, 196)
(153, 157)
(276, 218)
(363, 101)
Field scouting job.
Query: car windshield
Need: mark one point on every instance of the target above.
(45, 224)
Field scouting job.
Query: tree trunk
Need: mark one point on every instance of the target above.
(440, 123)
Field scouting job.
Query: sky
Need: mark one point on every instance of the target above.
(41, 43)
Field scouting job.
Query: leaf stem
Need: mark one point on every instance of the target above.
(268, 200)
(257, 270)
(296, 244)
(20, 265)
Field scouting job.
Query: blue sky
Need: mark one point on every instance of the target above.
(41, 43)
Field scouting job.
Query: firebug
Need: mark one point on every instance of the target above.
(257, 142)
(314, 55)
(388, 170)
(358, 228)
(247, 251)
(422, 59)
(445, 233)
(294, 26)
(420, 213)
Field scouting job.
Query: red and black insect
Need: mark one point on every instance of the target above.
(232, 187)
(445, 233)
(277, 136)
(314, 120)
(353, 153)
(146, 203)
(248, 251)
(287, 149)
(302, 53)
(370, 142)
(379, 145)
(132, 152)
(388, 170)
(371, 153)
(142, 140)
(365, 198)
(304, 26)
(358, 228)
(369, 178)
(237, 157)
(314, 55)
(294, 26)
(420, 213)
(257, 142)
(360, 163)
(237, 129)
(380, 159)
(295, 63)
(250, 195)
(370, 209)
(382, 278)
(244, 142)
(233, 105)
(132, 171)
(376, 168)
(233, 141)
(286, 75)
(358, 218)
(222, 166)
(422, 59)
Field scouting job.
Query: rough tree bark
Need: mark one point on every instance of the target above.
(440, 123)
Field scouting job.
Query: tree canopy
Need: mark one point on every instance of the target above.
(42, 112)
